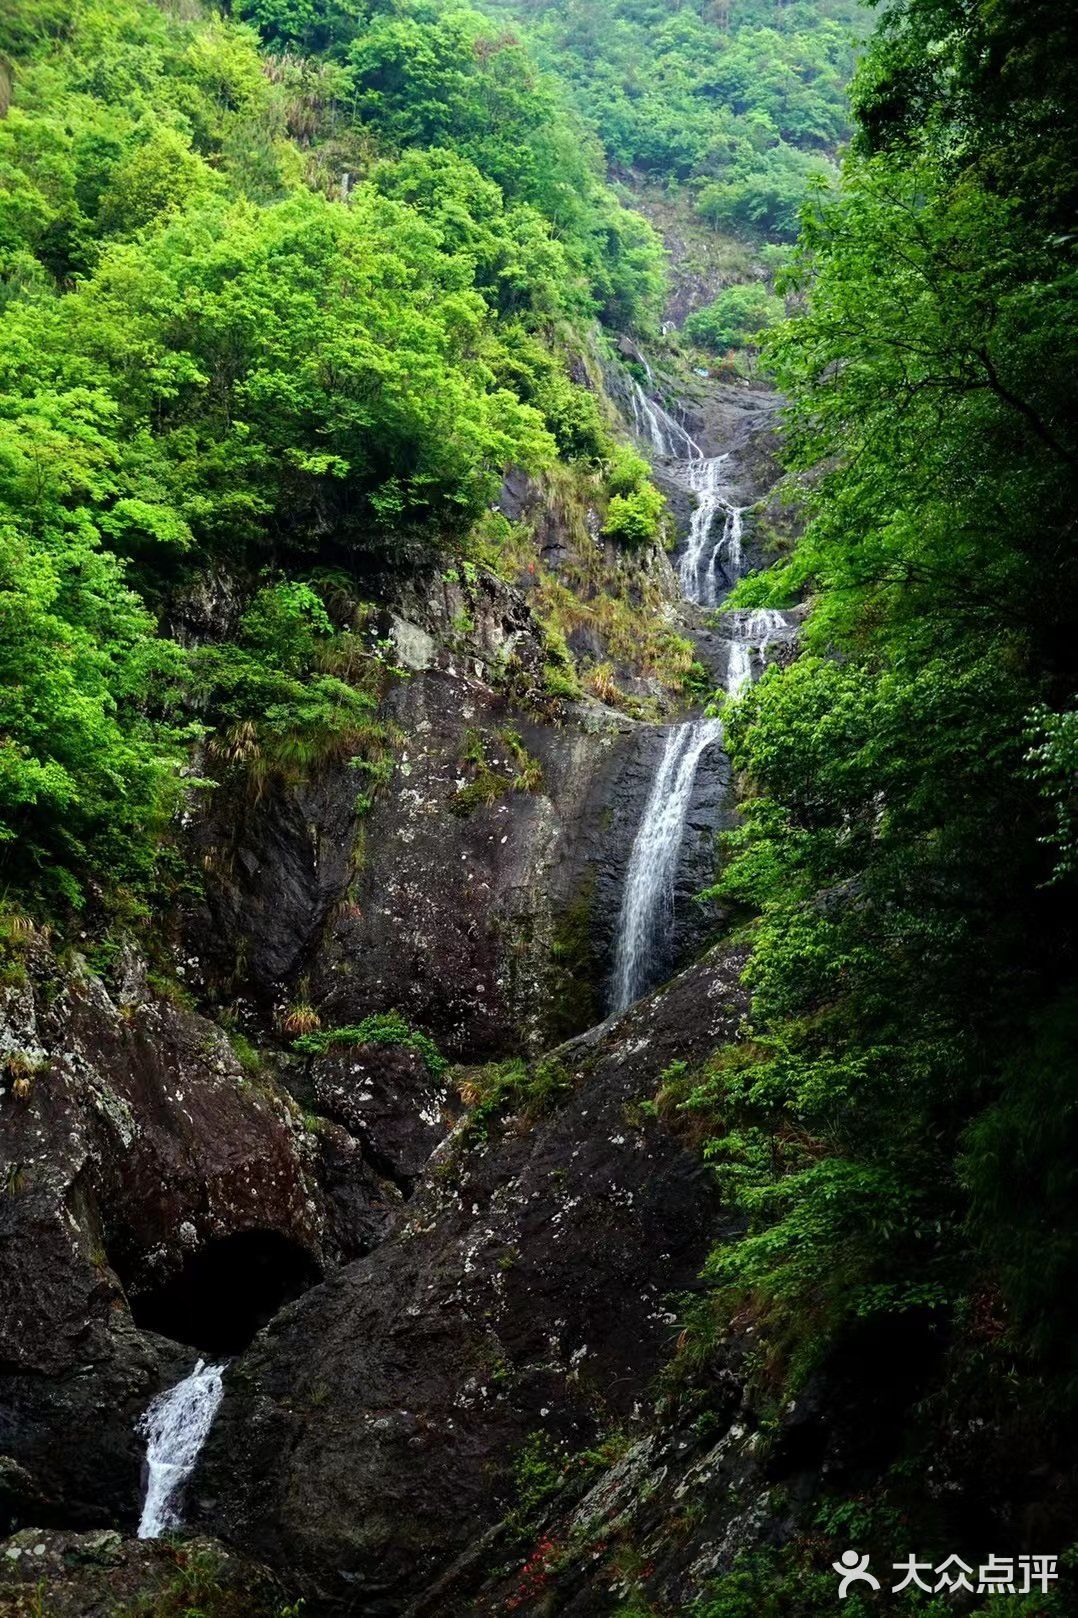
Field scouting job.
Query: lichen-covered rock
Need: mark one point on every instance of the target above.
(476, 887)
(386, 1098)
(360, 1202)
(73, 1575)
(479, 900)
(478, 893)
(372, 1435)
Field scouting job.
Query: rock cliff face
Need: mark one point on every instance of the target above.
(430, 1281)
(157, 1201)
(373, 1436)
(478, 892)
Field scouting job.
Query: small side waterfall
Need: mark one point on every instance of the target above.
(176, 1424)
(658, 428)
(647, 904)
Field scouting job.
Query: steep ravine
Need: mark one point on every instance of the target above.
(511, 1289)
(371, 1441)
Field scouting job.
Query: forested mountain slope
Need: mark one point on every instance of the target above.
(538, 1016)
(743, 104)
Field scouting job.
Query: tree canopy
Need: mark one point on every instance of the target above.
(742, 103)
(217, 350)
(908, 837)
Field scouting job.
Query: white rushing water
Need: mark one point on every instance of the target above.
(647, 904)
(753, 631)
(712, 561)
(738, 667)
(176, 1424)
(658, 428)
(705, 555)
(698, 570)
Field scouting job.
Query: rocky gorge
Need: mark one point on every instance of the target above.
(537, 809)
(433, 1245)
(396, 1147)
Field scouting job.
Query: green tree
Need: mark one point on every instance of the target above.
(911, 773)
(736, 318)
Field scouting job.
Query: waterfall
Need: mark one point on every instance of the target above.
(651, 422)
(764, 625)
(175, 1424)
(702, 479)
(701, 475)
(647, 904)
(738, 668)
(750, 633)
(698, 569)
(707, 567)
(753, 630)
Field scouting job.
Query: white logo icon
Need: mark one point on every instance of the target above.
(852, 1568)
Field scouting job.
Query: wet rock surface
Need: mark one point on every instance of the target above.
(369, 1437)
(475, 894)
(471, 872)
(485, 919)
(102, 1573)
(153, 1192)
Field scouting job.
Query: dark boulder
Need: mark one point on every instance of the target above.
(156, 1195)
(372, 1434)
(73, 1575)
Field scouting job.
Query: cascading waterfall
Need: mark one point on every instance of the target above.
(702, 475)
(698, 569)
(176, 1424)
(762, 626)
(703, 480)
(750, 632)
(647, 904)
(651, 422)
(738, 668)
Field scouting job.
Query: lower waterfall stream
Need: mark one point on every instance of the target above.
(648, 899)
(176, 1424)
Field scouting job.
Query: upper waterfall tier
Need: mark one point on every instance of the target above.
(712, 557)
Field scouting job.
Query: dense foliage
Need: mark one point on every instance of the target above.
(743, 101)
(900, 1124)
(217, 351)
(736, 318)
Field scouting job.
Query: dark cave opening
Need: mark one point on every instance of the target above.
(229, 1288)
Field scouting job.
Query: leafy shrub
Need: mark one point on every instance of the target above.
(736, 318)
(636, 518)
(625, 471)
(88, 771)
(382, 1028)
(275, 713)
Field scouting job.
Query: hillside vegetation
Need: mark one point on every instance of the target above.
(741, 104)
(217, 352)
